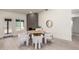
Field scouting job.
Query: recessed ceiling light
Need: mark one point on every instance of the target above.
(30, 12)
(46, 9)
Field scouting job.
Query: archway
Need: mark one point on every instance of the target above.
(75, 29)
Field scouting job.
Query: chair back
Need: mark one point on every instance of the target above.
(23, 36)
(37, 39)
(48, 35)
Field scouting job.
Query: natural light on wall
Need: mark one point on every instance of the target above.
(10, 31)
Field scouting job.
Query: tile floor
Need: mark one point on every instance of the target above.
(57, 44)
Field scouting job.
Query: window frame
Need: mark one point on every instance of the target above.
(18, 28)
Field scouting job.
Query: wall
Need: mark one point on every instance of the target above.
(13, 16)
(62, 23)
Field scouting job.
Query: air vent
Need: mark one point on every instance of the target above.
(46, 9)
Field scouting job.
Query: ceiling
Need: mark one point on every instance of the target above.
(24, 11)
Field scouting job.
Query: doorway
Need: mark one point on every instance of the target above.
(75, 29)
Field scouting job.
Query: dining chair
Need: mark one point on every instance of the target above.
(47, 37)
(37, 40)
(23, 37)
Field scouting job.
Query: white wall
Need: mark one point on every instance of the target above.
(12, 16)
(62, 23)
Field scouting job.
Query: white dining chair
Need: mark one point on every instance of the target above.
(47, 37)
(26, 37)
(34, 41)
(37, 40)
(23, 37)
(40, 41)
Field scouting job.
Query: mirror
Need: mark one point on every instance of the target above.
(49, 23)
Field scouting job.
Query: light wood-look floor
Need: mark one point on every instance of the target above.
(57, 44)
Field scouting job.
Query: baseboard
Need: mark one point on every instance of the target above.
(61, 39)
(7, 36)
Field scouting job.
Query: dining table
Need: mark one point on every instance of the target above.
(36, 32)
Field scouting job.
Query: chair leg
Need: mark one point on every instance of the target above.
(35, 45)
(27, 43)
(45, 41)
(39, 45)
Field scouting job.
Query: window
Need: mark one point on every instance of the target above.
(19, 24)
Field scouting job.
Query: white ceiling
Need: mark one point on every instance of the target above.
(25, 11)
